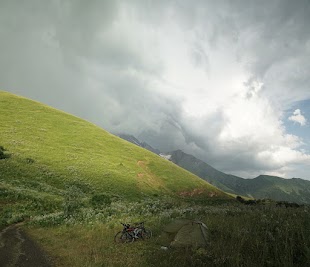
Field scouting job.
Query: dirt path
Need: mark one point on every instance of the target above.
(18, 250)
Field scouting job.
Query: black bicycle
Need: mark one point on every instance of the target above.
(132, 233)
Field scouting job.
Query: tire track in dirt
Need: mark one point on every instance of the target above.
(18, 250)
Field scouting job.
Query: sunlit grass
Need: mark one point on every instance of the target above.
(46, 143)
(72, 184)
(50, 151)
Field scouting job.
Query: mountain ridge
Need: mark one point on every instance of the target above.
(262, 186)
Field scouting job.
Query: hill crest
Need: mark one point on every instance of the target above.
(63, 148)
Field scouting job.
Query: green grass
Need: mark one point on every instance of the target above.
(238, 236)
(48, 151)
(72, 183)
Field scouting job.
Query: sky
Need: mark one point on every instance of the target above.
(226, 81)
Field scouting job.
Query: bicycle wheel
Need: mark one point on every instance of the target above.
(146, 234)
(121, 237)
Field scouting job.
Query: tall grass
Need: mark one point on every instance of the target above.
(238, 236)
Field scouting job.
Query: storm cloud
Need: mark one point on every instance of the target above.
(214, 78)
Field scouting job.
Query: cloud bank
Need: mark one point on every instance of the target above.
(213, 78)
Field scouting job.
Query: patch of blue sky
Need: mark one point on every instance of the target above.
(295, 128)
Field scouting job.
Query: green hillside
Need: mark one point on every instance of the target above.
(49, 151)
(265, 186)
(71, 184)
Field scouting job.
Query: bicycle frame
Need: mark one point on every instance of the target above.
(132, 233)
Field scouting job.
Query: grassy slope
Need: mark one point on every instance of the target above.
(294, 190)
(52, 153)
(65, 148)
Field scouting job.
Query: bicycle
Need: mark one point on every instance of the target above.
(132, 233)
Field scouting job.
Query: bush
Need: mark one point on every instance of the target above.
(73, 202)
(100, 201)
(3, 153)
(47, 220)
(30, 160)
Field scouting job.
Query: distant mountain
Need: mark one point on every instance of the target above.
(221, 180)
(132, 139)
(263, 186)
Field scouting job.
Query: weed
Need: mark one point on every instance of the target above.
(100, 201)
(3, 153)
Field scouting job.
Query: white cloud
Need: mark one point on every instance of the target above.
(298, 117)
(208, 77)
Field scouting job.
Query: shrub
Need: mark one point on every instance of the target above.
(51, 219)
(3, 153)
(100, 201)
(29, 160)
(73, 202)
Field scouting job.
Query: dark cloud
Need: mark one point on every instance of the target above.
(168, 71)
